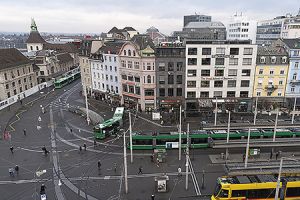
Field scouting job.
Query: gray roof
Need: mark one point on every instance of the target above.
(271, 51)
(35, 37)
(64, 57)
(142, 41)
(111, 47)
(10, 58)
(205, 25)
(292, 43)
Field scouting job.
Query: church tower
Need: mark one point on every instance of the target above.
(35, 41)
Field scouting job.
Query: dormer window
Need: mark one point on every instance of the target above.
(284, 59)
(129, 53)
(273, 59)
(124, 52)
(133, 52)
(262, 59)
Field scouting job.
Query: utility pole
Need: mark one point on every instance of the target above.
(179, 153)
(278, 179)
(130, 137)
(247, 149)
(125, 164)
(228, 130)
(216, 111)
(294, 110)
(275, 127)
(86, 105)
(255, 112)
(187, 158)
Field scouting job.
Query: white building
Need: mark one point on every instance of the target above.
(291, 30)
(241, 28)
(221, 70)
(105, 70)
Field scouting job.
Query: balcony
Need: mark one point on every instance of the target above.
(295, 82)
(271, 87)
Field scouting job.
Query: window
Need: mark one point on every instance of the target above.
(219, 61)
(258, 94)
(262, 59)
(293, 192)
(206, 51)
(296, 66)
(179, 79)
(294, 76)
(244, 94)
(231, 94)
(130, 78)
(148, 79)
(137, 79)
(191, 73)
(218, 84)
(161, 67)
(191, 94)
(192, 61)
(205, 61)
(106, 67)
(115, 60)
(282, 71)
(129, 64)
(15, 91)
(129, 53)
(219, 72)
(271, 72)
(284, 59)
(261, 71)
(204, 94)
(170, 92)
(247, 61)
(116, 69)
(161, 92)
(110, 68)
(234, 51)
(296, 53)
(18, 72)
(148, 66)
(149, 92)
(8, 94)
(292, 89)
(131, 89)
(191, 84)
(218, 94)
(106, 77)
(109, 58)
(170, 66)
(248, 51)
(13, 84)
(220, 51)
(5, 76)
(31, 48)
(117, 89)
(170, 79)
(179, 66)
(137, 90)
(246, 72)
(245, 83)
(273, 59)
(133, 52)
(124, 52)
(231, 83)
(123, 63)
(233, 61)
(161, 79)
(232, 72)
(192, 51)
(205, 72)
(205, 84)
(7, 86)
(280, 82)
(137, 65)
(179, 92)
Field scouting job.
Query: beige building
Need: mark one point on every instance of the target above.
(17, 74)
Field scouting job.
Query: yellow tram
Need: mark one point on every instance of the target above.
(254, 187)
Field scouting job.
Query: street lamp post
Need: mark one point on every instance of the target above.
(275, 127)
(279, 175)
(255, 112)
(130, 137)
(125, 164)
(247, 149)
(86, 105)
(294, 110)
(179, 153)
(228, 130)
(216, 111)
(187, 158)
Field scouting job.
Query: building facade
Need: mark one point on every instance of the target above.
(105, 64)
(137, 71)
(170, 75)
(222, 71)
(17, 74)
(271, 72)
(195, 18)
(241, 28)
(84, 63)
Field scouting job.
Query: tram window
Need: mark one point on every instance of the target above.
(263, 193)
(293, 192)
(238, 193)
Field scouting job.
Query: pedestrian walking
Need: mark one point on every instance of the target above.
(115, 167)
(80, 149)
(140, 170)
(99, 164)
(17, 169)
(71, 130)
(95, 143)
(11, 149)
(152, 197)
(84, 146)
(43, 188)
(11, 171)
(271, 155)
(24, 131)
(244, 157)
(179, 171)
(277, 154)
(44, 149)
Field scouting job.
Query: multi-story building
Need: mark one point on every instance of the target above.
(137, 72)
(270, 30)
(195, 18)
(170, 75)
(85, 68)
(241, 28)
(156, 36)
(293, 79)
(17, 74)
(219, 69)
(105, 64)
(271, 72)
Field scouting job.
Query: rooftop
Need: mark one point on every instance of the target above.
(271, 51)
(11, 58)
(205, 25)
(292, 43)
(255, 179)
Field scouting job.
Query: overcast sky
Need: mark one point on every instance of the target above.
(96, 16)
